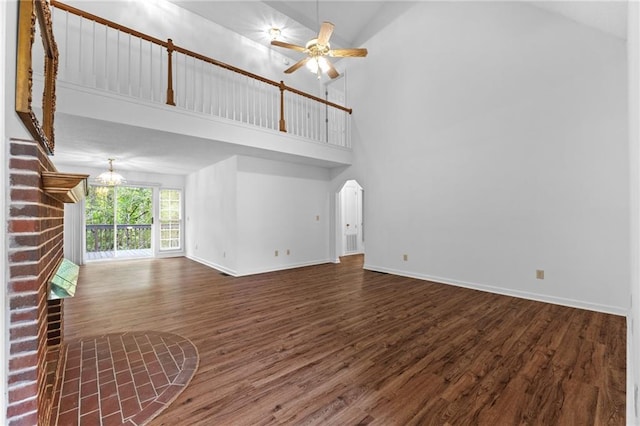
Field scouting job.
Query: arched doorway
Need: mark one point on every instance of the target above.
(350, 220)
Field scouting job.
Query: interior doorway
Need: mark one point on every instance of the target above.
(119, 221)
(351, 218)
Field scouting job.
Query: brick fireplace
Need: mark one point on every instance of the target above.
(35, 247)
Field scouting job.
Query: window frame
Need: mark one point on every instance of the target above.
(180, 221)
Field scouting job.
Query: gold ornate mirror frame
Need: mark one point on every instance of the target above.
(32, 13)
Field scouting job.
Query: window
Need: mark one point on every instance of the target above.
(170, 219)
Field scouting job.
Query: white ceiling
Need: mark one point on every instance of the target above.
(299, 21)
(609, 16)
(356, 21)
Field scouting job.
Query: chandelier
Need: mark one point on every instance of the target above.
(110, 178)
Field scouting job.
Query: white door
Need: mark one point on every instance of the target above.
(352, 218)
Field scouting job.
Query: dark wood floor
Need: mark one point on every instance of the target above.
(333, 344)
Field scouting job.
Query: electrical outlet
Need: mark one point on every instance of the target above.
(405, 257)
(224, 254)
(288, 252)
(540, 274)
(276, 253)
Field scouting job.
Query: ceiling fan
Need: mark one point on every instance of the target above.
(317, 50)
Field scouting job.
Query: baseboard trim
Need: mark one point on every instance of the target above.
(236, 274)
(614, 310)
(213, 265)
(285, 267)
(166, 255)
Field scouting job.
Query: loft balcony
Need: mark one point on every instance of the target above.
(109, 74)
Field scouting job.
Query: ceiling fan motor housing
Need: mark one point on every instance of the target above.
(315, 49)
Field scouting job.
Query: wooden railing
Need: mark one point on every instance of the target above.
(129, 237)
(116, 58)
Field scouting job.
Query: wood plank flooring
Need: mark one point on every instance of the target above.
(334, 344)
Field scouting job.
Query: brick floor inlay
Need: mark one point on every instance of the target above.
(122, 379)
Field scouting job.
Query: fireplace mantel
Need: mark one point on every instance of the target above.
(65, 187)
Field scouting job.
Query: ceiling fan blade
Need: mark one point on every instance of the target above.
(332, 71)
(344, 53)
(288, 45)
(325, 32)
(297, 65)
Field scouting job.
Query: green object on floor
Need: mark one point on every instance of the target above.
(63, 283)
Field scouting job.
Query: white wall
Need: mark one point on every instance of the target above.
(281, 206)
(211, 213)
(241, 210)
(502, 149)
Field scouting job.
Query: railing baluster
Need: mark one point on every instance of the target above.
(80, 74)
(240, 98)
(106, 58)
(183, 86)
(129, 65)
(118, 62)
(310, 119)
(299, 109)
(283, 126)
(212, 91)
(274, 111)
(93, 53)
(202, 86)
(140, 68)
(247, 85)
(303, 122)
(227, 87)
(219, 95)
(66, 41)
(253, 101)
(259, 103)
(150, 71)
(193, 84)
(234, 98)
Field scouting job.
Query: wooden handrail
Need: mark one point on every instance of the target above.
(317, 99)
(224, 65)
(173, 48)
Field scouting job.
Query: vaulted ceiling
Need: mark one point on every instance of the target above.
(356, 22)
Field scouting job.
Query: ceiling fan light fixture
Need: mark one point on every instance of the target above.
(318, 62)
(111, 178)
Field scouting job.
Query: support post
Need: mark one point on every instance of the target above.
(170, 100)
(283, 125)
